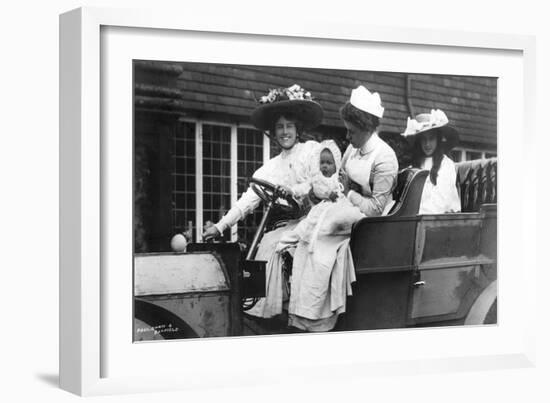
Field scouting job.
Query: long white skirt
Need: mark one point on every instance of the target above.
(275, 289)
(320, 283)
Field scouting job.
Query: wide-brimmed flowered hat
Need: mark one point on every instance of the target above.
(292, 100)
(426, 122)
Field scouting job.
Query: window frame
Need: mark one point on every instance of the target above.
(464, 150)
(199, 191)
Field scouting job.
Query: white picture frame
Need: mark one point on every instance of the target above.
(85, 346)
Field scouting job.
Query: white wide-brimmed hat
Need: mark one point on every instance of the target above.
(367, 101)
(294, 100)
(436, 119)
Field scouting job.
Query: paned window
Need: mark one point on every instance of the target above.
(249, 158)
(212, 165)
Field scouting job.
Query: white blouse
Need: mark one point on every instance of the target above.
(443, 197)
(293, 168)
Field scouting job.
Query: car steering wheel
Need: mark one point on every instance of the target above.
(270, 193)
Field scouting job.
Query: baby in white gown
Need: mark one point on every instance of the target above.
(335, 214)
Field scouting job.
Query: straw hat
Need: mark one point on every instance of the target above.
(426, 122)
(280, 101)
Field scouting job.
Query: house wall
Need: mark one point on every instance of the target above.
(229, 92)
(180, 106)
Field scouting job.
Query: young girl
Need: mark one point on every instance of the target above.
(432, 137)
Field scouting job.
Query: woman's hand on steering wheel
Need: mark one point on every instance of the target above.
(210, 232)
(284, 191)
(271, 193)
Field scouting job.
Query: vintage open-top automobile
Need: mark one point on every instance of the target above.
(412, 270)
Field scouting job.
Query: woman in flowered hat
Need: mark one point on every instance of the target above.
(285, 113)
(431, 137)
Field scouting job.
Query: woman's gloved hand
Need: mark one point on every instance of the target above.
(210, 231)
(284, 191)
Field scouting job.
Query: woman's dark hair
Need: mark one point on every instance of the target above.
(437, 156)
(289, 116)
(363, 120)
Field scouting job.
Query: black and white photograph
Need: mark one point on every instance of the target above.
(220, 201)
(274, 200)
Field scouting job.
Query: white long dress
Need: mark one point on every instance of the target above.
(291, 168)
(443, 197)
(322, 276)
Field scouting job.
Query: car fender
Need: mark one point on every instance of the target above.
(482, 305)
